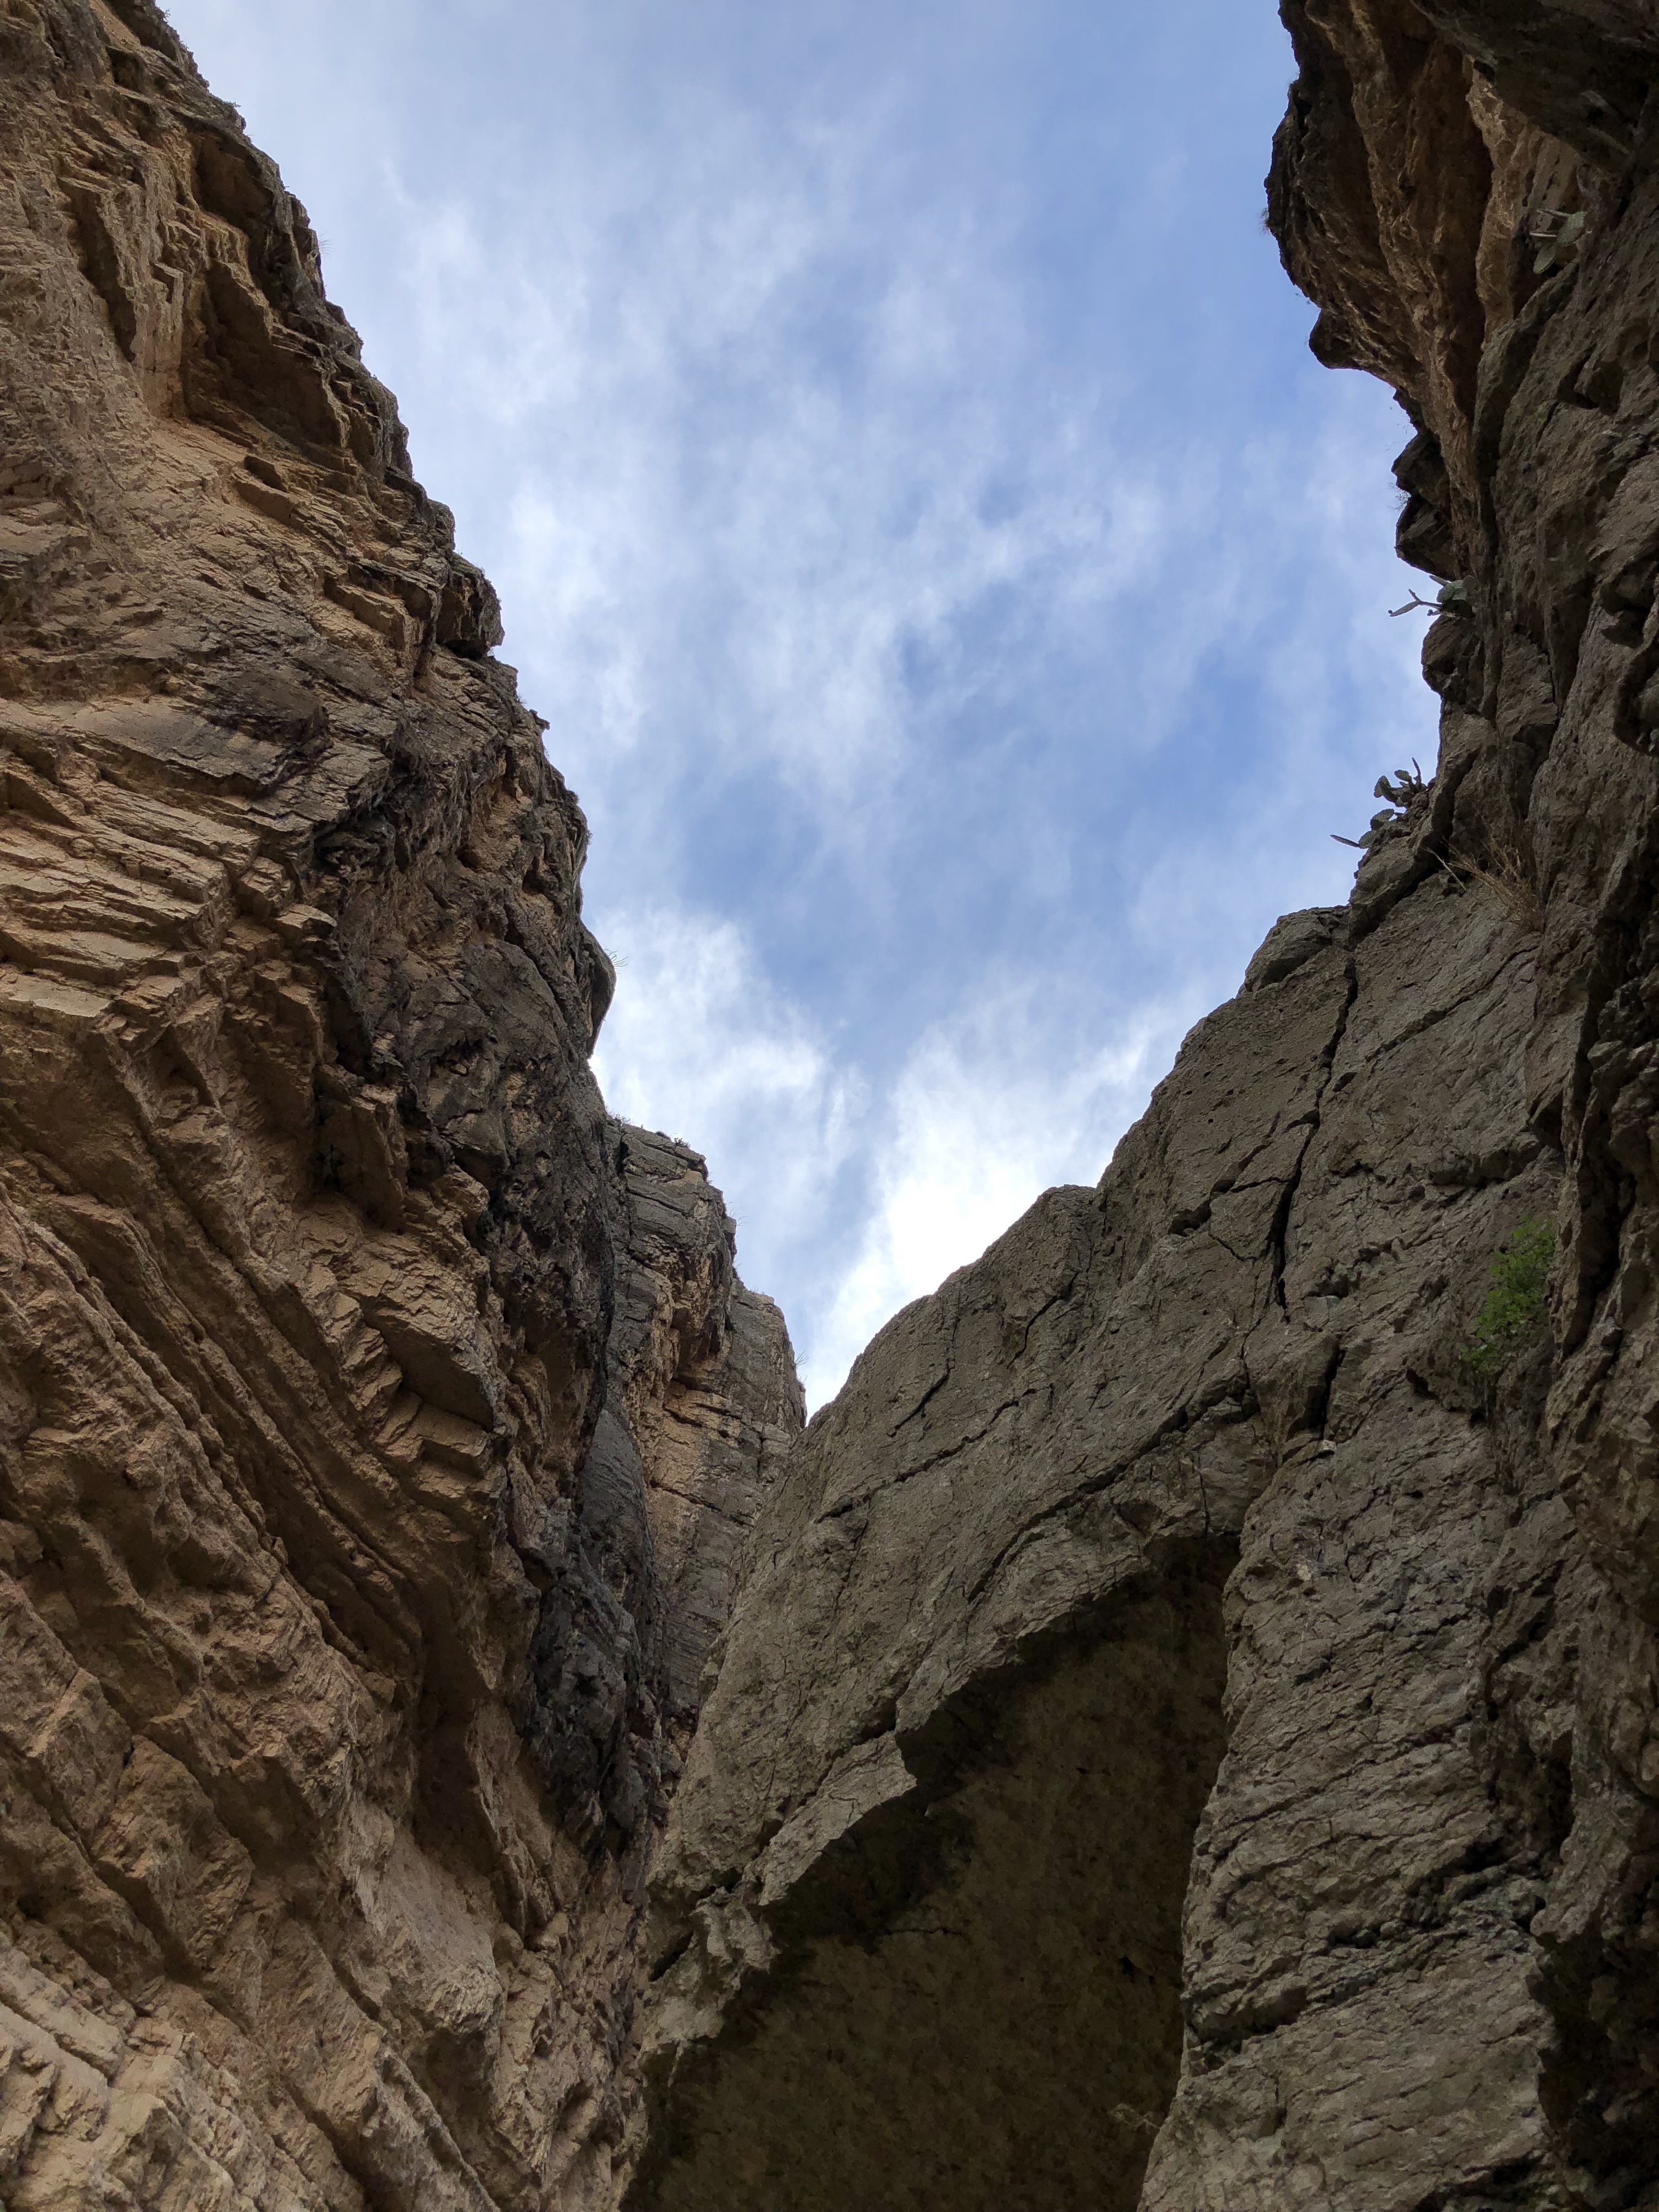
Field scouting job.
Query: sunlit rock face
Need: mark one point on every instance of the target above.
(1178, 1731)
(378, 1422)
(1404, 1776)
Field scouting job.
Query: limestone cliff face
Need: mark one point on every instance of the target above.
(378, 1421)
(1188, 1736)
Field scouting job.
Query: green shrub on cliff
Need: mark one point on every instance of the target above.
(1515, 1295)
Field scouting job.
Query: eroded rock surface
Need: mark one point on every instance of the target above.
(1196, 1376)
(377, 1420)
(1186, 1736)
(1405, 1773)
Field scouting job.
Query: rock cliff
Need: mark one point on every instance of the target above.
(378, 1421)
(1189, 1732)
(1182, 1729)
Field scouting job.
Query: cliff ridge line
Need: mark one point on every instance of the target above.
(1188, 1736)
(379, 1421)
(1176, 1732)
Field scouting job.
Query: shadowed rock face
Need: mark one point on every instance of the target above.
(975, 1985)
(378, 1421)
(1185, 1734)
(1243, 1348)
(1420, 1948)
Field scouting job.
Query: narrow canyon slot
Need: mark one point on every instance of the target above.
(1179, 1727)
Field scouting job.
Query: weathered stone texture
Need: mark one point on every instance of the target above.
(1421, 1951)
(1240, 1353)
(1185, 1737)
(377, 1421)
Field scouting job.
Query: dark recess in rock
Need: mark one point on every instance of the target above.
(1175, 1732)
(1420, 1959)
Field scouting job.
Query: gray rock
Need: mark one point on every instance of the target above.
(1419, 1963)
(1183, 1727)
(971, 1692)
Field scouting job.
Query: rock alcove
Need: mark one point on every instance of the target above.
(464, 1746)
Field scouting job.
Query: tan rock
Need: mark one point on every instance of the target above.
(357, 1398)
(1187, 1734)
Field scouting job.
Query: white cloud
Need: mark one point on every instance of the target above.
(961, 637)
(780, 437)
(701, 1046)
(983, 1118)
(984, 1115)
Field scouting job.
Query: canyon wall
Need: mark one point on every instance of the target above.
(378, 1421)
(1190, 1733)
(1181, 1729)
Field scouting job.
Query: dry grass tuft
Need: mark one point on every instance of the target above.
(1509, 871)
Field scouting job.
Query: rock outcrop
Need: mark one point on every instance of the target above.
(1182, 1729)
(1189, 1731)
(378, 1422)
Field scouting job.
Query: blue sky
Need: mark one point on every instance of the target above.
(956, 595)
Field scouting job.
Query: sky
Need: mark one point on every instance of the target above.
(957, 597)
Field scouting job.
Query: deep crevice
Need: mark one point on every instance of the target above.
(1278, 1232)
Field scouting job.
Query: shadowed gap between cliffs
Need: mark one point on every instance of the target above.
(977, 2008)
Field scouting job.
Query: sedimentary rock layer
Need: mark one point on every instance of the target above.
(1188, 1734)
(981, 1716)
(378, 1421)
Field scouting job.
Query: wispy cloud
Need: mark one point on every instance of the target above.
(866, 1200)
(700, 1043)
(984, 1117)
(776, 491)
(954, 595)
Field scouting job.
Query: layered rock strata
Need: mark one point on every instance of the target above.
(378, 1421)
(1190, 1733)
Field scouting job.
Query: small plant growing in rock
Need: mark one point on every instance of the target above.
(1451, 598)
(1515, 1298)
(1402, 795)
(1557, 233)
(1509, 871)
(1512, 881)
